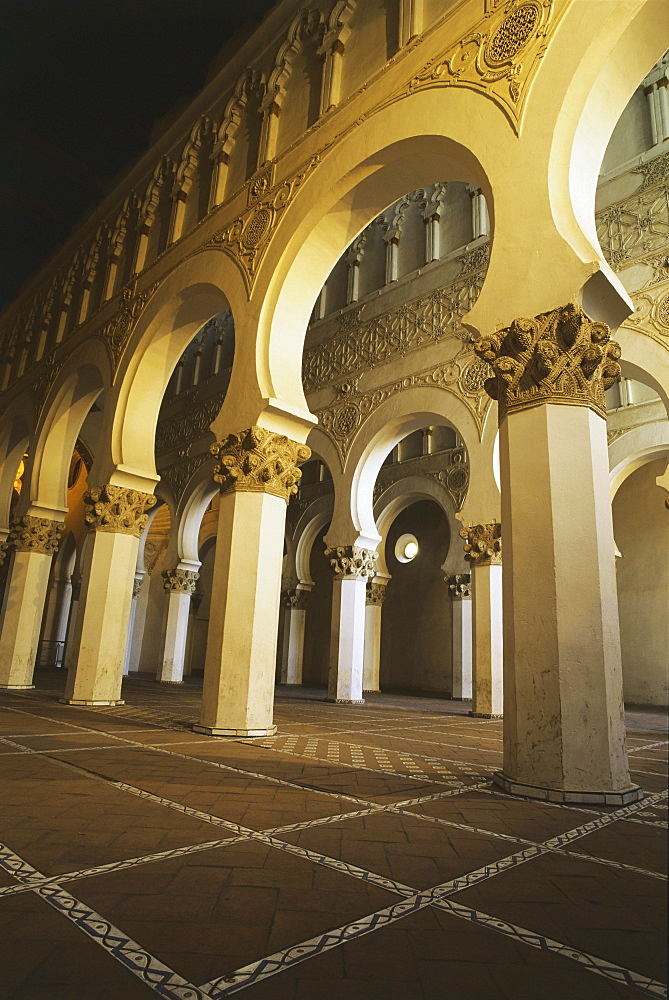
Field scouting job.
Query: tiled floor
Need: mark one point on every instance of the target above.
(361, 853)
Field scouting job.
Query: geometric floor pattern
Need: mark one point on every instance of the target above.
(362, 852)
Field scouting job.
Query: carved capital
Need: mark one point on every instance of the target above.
(296, 599)
(460, 586)
(258, 461)
(560, 356)
(136, 587)
(376, 593)
(352, 562)
(33, 534)
(483, 544)
(179, 581)
(117, 509)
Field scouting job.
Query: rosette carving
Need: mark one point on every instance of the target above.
(352, 562)
(560, 356)
(459, 585)
(296, 599)
(376, 593)
(258, 461)
(117, 509)
(33, 534)
(483, 544)
(179, 581)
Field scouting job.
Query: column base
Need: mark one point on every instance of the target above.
(91, 704)
(234, 733)
(371, 691)
(169, 682)
(485, 715)
(346, 701)
(17, 687)
(625, 798)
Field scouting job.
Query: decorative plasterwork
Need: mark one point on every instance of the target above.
(636, 229)
(45, 376)
(179, 474)
(483, 544)
(117, 331)
(453, 475)
(246, 239)
(498, 57)
(136, 587)
(460, 586)
(296, 599)
(32, 534)
(352, 562)
(361, 345)
(258, 461)
(463, 376)
(560, 356)
(179, 581)
(376, 593)
(188, 425)
(651, 315)
(117, 509)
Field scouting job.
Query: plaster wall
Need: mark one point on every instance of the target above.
(641, 530)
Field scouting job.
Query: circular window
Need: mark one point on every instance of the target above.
(406, 548)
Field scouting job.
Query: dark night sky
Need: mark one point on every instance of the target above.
(81, 85)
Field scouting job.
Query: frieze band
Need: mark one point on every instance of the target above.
(259, 461)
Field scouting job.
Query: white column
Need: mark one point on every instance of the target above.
(483, 549)
(376, 595)
(136, 589)
(351, 565)
(179, 585)
(564, 728)
(240, 662)
(459, 587)
(31, 541)
(295, 604)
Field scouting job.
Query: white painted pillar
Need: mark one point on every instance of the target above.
(564, 729)
(117, 516)
(295, 604)
(179, 586)
(136, 590)
(31, 541)
(483, 550)
(460, 590)
(240, 662)
(351, 565)
(376, 595)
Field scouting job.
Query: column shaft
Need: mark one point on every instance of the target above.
(293, 658)
(347, 640)
(487, 641)
(462, 649)
(171, 669)
(372, 657)
(25, 596)
(564, 722)
(238, 691)
(101, 629)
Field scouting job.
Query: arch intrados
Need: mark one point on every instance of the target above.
(327, 215)
(319, 514)
(403, 494)
(397, 417)
(196, 291)
(68, 405)
(199, 497)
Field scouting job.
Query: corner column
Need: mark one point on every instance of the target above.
(296, 603)
(30, 545)
(351, 565)
(179, 585)
(116, 517)
(257, 474)
(375, 596)
(460, 591)
(564, 731)
(483, 551)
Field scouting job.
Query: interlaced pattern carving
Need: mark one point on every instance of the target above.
(117, 509)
